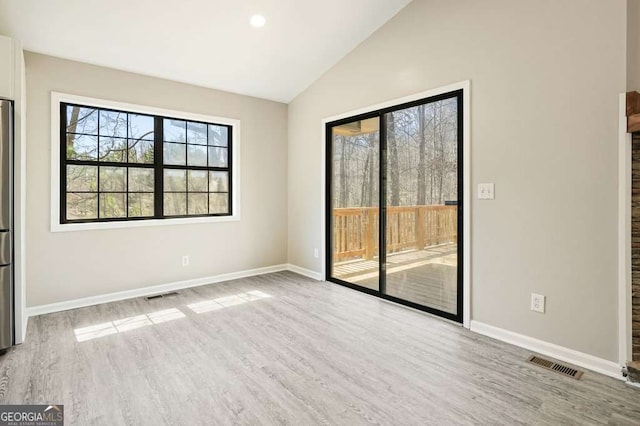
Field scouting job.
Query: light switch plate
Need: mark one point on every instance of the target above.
(485, 191)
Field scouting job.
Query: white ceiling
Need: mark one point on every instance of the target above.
(204, 42)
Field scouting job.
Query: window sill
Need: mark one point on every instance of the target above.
(92, 226)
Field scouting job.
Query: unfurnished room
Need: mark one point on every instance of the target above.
(294, 212)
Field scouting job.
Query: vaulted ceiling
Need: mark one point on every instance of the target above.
(204, 42)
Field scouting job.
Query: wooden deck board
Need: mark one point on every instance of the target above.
(426, 277)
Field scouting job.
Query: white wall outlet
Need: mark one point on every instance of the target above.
(486, 191)
(185, 260)
(316, 253)
(537, 302)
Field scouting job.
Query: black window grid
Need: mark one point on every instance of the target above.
(158, 166)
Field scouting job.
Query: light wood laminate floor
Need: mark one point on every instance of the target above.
(310, 353)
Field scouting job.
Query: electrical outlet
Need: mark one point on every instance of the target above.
(537, 303)
(185, 260)
(316, 253)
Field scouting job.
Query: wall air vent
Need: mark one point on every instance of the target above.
(565, 370)
(158, 296)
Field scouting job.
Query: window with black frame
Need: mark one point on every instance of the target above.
(120, 165)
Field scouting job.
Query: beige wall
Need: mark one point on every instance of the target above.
(545, 79)
(69, 265)
(633, 45)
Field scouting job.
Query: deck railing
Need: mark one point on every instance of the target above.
(355, 230)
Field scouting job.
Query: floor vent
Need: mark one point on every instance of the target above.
(558, 368)
(158, 296)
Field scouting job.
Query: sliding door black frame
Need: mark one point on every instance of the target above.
(382, 246)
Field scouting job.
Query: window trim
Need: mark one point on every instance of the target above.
(56, 226)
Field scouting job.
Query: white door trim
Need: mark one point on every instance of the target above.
(624, 236)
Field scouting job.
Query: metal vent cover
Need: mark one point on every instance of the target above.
(565, 370)
(158, 296)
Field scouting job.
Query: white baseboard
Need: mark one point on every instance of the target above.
(632, 384)
(25, 322)
(149, 291)
(306, 272)
(599, 365)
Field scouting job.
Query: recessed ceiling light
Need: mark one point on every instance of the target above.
(258, 21)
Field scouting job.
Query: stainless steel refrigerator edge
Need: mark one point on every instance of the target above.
(7, 322)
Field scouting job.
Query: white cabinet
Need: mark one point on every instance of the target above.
(7, 68)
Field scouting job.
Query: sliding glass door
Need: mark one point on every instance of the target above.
(355, 203)
(422, 204)
(394, 203)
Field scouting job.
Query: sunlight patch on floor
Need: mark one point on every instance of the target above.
(227, 301)
(131, 323)
(126, 324)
